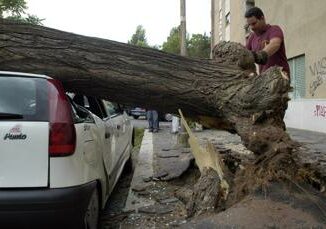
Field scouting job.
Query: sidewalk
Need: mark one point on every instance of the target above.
(151, 201)
(158, 178)
(313, 145)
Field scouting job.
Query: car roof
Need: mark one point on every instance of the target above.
(24, 74)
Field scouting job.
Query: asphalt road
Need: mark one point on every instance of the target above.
(141, 122)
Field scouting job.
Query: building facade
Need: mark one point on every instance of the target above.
(304, 27)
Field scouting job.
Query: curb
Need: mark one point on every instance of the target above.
(143, 169)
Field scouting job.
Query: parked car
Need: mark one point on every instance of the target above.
(137, 112)
(58, 161)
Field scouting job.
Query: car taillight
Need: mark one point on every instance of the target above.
(62, 140)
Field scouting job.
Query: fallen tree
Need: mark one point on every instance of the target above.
(225, 92)
(225, 89)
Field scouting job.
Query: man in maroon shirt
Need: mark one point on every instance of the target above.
(266, 42)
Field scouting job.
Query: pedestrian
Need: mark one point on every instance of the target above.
(153, 122)
(175, 124)
(266, 42)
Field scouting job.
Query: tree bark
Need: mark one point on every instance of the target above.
(226, 89)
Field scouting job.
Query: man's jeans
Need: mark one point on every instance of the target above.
(152, 117)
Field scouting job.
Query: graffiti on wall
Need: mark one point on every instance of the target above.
(318, 71)
(320, 111)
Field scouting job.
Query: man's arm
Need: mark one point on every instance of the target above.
(276, 39)
(261, 57)
(248, 42)
(273, 46)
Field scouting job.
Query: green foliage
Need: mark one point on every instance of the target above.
(172, 45)
(31, 19)
(15, 9)
(12, 7)
(139, 37)
(197, 46)
(138, 137)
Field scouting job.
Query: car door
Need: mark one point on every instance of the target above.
(117, 121)
(109, 137)
(91, 131)
(90, 135)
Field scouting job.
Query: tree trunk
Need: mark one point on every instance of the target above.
(225, 88)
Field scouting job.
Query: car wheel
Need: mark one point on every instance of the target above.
(135, 116)
(129, 166)
(92, 212)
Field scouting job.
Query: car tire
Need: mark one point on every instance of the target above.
(129, 167)
(135, 116)
(132, 141)
(93, 210)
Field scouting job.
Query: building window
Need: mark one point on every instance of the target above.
(220, 20)
(220, 25)
(227, 19)
(227, 12)
(298, 79)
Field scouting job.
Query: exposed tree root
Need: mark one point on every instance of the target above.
(207, 193)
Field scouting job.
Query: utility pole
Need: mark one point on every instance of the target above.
(212, 26)
(182, 137)
(183, 30)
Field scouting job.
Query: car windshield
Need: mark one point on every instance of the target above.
(23, 98)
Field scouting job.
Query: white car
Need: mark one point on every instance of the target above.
(58, 161)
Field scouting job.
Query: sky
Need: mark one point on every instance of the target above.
(117, 19)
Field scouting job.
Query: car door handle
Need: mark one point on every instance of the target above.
(87, 127)
(107, 135)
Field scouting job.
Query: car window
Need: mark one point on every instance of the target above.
(111, 108)
(24, 96)
(80, 114)
(90, 103)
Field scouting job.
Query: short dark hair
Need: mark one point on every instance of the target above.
(254, 12)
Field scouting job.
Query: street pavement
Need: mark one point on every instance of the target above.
(313, 148)
(161, 160)
(141, 122)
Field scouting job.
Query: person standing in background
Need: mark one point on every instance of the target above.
(153, 122)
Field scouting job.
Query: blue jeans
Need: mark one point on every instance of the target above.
(152, 117)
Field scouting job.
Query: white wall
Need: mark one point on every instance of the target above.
(308, 114)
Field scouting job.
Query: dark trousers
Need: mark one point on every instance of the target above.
(152, 117)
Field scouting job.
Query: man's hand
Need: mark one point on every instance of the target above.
(261, 57)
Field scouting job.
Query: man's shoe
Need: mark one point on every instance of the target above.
(150, 130)
(155, 131)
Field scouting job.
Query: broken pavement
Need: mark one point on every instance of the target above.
(271, 206)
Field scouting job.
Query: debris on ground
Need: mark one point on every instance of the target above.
(276, 203)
